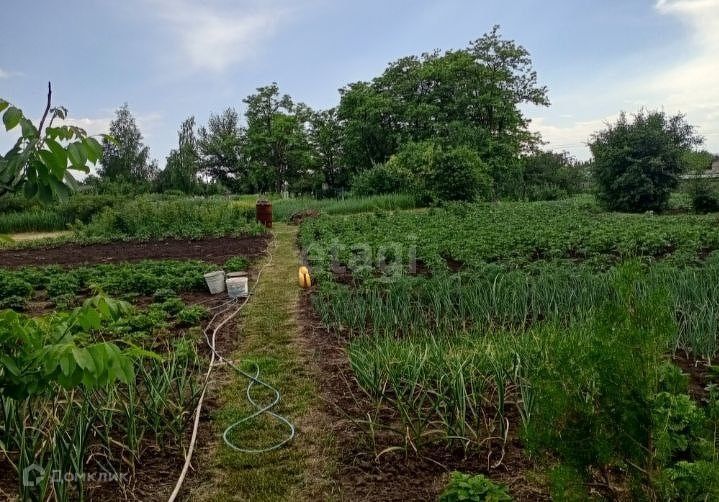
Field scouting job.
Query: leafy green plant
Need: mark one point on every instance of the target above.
(690, 481)
(38, 354)
(476, 488)
(39, 162)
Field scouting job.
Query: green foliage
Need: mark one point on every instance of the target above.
(236, 264)
(42, 157)
(191, 316)
(550, 176)
(690, 481)
(601, 380)
(677, 423)
(704, 197)
(125, 157)
(697, 161)
(40, 354)
(468, 98)
(474, 488)
(182, 164)
(33, 217)
(637, 163)
(567, 485)
(163, 279)
(382, 179)
(458, 174)
(190, 218)
(276, 140)
(430, 172)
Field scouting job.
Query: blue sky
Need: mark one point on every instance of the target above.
(173, 58)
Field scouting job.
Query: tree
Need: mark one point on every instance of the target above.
(220, 149)
(638, 163)
(182, 165)
(276, 141)
(325, 137)
(550, 175)
(42, 157)
(126, 157)
(469, 97)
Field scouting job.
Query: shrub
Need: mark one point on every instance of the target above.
(704, 198)
(432, 173)
(473, 488)
(458, 174)
(550, 176)
(637, 164)
(381, 179)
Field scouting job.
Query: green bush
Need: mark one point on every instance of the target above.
(704, 198)
(381, 179)
(550, 176)
(473, 488)
(637, 164)
(457, 174)
(147, 218)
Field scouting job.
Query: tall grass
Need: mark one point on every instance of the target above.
(36, 220)
(284, 208)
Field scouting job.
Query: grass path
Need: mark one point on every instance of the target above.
(270, 337)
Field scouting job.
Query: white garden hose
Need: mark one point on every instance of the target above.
(215, 359)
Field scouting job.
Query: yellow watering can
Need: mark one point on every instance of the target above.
(304, 277)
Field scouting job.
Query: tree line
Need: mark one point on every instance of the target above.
(437, 124)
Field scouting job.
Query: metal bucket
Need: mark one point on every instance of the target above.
(215, 281)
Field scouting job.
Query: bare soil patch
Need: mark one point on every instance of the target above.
(214, 250)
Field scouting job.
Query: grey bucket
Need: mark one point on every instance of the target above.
(215, 281)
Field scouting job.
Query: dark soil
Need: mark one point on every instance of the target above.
(700, 375)
(214, 250)
(401, 476)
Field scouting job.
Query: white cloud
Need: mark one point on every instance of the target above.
(9, 74)
(689, 86)
(214, 37)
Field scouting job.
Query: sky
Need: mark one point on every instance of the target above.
(170, 59)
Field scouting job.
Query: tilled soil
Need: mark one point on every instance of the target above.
(395, 476)
(213, 249)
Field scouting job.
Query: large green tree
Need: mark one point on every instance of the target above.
(637, 162)
(183, 163)
(276, 141)
(220, 147)
(125, 157)
(325, 137)
(469, 97)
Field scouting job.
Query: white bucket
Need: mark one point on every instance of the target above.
(215, 281)
(237, 287)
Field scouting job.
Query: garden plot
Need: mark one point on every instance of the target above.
(107, 366)
(503, 336)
